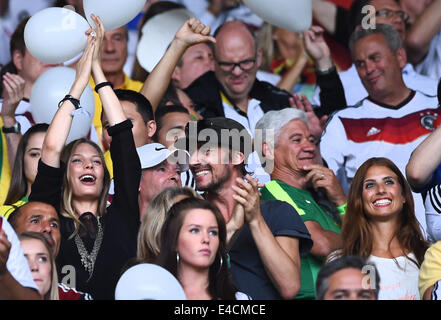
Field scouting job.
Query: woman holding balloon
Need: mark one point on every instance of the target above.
(96, 241)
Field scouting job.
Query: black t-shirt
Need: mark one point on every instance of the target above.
(120, 221)
(248, 271)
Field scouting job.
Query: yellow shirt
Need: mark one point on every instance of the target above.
(430, 271)
(5, 170)
(6, 210)
(128, 84)
(109, 163)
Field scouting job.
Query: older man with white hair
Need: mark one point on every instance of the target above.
(312, 189)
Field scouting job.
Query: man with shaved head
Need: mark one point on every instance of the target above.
(42, 217)
(232, 90)
(39, 217)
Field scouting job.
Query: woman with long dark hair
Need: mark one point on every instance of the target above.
(149, 235)
(193, 249)
(380, 225)
(25, 168)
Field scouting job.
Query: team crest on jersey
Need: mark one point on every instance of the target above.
(428, 120)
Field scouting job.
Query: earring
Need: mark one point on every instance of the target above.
(177, 258)
(221, 262)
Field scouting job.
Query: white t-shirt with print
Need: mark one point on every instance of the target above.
(397, 282)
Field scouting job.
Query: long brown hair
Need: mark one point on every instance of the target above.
(149, 235)
(19, 184)
(356, 228)
(220, 281)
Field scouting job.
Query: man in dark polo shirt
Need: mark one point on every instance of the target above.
(266, 240)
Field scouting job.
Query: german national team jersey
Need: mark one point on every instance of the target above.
(355, 134)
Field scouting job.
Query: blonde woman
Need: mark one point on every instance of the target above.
(97, 241)
(41, 262)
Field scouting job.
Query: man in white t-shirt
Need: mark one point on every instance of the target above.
(16, 281)
(391, 122)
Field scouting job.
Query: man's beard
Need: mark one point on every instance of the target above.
(216, 185)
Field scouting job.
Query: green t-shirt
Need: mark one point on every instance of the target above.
(309, 210)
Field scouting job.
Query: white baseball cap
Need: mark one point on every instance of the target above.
(152, 154)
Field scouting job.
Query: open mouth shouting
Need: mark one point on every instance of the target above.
(88, 179)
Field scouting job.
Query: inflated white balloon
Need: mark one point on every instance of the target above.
(157, 33)
(55, 35)
(294, 15)
(49, 89)
(147, 281)
(113, 13)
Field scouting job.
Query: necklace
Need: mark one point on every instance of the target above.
(88, 259)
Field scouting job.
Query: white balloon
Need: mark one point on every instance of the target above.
(113, 13)
(55, 35)
(157, 33)
(294, 15)
(147, 281)
(49, 89)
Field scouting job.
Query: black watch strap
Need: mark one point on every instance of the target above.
(73, 100)
(16, 128)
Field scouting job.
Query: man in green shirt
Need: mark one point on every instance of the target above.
(290, 156)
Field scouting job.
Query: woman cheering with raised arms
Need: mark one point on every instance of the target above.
(96, 241)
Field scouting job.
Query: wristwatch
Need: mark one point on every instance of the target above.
(326, 71)
(75, 102)
(16, 128)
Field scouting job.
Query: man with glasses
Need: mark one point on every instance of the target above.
(232, 90)
(386, 12)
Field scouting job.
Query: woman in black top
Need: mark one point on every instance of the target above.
(96, 241)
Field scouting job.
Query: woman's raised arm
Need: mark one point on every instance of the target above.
(111, 105)
(61, 123)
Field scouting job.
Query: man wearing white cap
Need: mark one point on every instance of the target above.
(161, 168)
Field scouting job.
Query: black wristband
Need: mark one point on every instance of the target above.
(73, 100)
(103, 84)
(16, 128)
